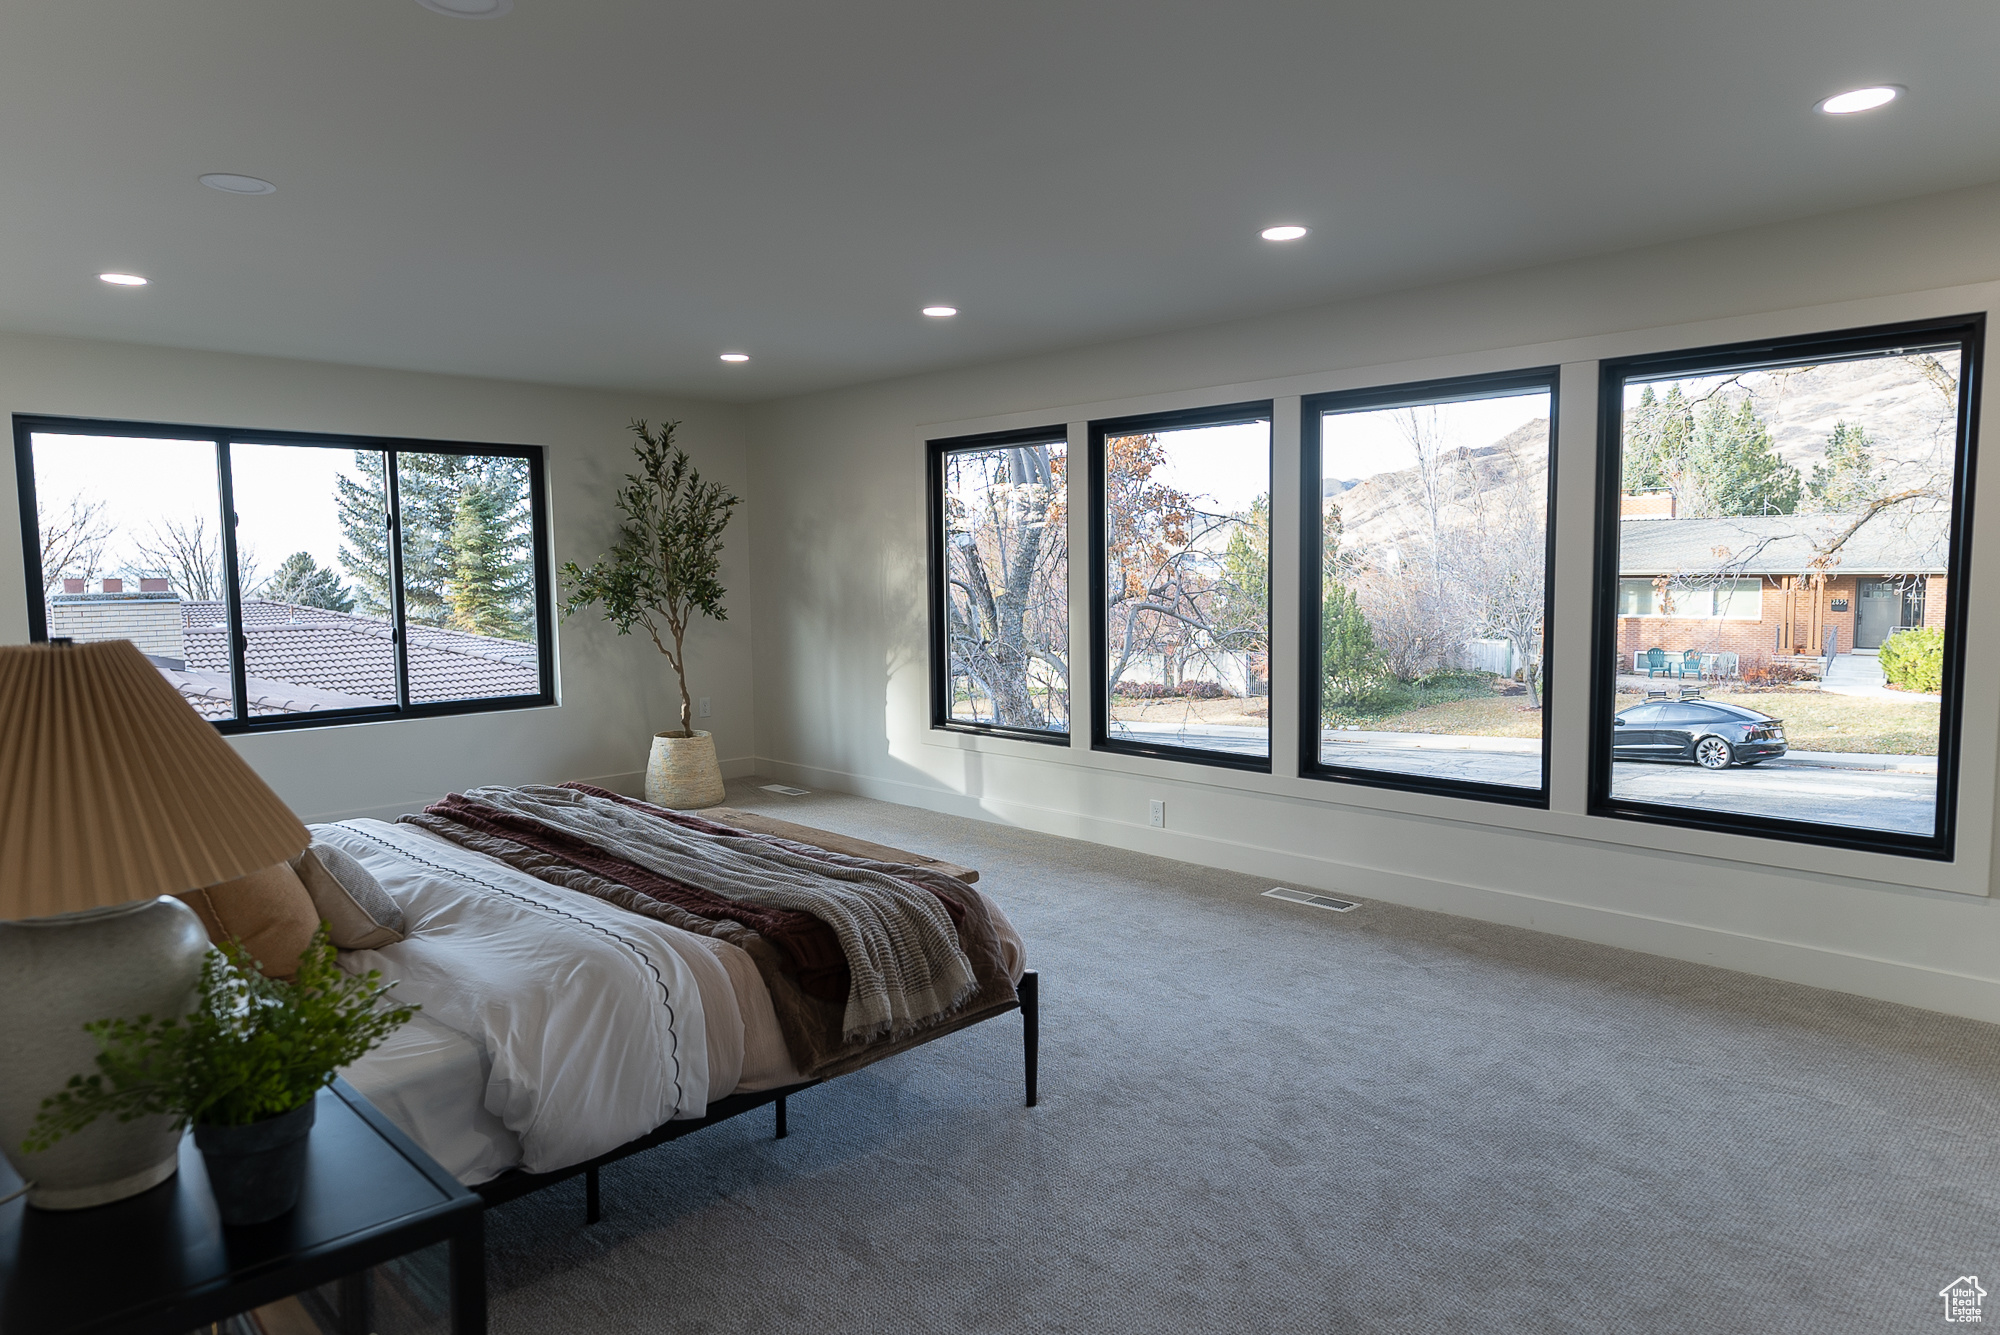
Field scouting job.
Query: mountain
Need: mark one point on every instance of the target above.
(1907, 416)
(1384, 512)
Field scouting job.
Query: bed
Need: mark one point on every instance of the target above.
(577, 1005)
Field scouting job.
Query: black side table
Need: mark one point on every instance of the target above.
(161, 1263)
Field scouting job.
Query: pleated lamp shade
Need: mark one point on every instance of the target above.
(113, 789)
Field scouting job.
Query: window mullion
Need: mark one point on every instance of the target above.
(402, 633)
(239, 641)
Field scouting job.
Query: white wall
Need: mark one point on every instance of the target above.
(840, 613)
(613, 693)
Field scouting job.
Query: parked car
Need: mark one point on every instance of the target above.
(1712, 735)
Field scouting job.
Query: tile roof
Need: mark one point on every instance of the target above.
(1894, 542)
(307, 658)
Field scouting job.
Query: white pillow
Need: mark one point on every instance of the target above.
(358, 912)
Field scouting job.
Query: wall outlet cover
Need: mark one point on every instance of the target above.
(1156, 813)
(701, 707)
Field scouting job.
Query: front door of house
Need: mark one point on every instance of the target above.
(1883, 607)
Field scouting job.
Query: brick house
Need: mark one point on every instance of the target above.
(1746, 585)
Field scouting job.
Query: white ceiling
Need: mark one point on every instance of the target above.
(611, 192)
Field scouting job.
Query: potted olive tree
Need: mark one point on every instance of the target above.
(665, 568)
(244, 1066)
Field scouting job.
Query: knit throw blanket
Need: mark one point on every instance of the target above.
(905, 963)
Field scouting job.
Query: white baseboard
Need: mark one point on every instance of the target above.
(1864, 975)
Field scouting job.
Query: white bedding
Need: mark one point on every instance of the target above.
(554, 1026)
(430, 1080)
(597, 1024)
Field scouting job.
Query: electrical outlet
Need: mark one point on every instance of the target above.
(1156, 813)
(701, 707)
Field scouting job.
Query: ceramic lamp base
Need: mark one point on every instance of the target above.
(57, 975)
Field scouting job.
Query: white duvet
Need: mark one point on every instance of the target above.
(597, 1024)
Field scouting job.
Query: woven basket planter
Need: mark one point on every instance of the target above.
(682, 772)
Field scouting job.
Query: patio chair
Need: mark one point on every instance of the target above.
(1691, 664)
(1657, 665)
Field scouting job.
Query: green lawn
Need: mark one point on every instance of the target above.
(1462, 704)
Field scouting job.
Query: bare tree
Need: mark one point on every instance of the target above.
(1168, 583)
(1007, 553)
(73, 541)
(1500, 560)
(1920, 466)
(189, 555)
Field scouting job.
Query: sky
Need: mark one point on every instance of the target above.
(284, 493)
(1355, 446)
(1226, 467)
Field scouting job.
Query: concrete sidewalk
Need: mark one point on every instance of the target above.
(1860, 674)
(1857, 760)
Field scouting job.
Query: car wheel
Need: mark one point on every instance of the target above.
(1713, 753)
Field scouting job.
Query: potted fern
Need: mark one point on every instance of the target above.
(244, 1066)
(664, 570)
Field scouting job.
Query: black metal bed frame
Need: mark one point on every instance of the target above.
(515, 1184)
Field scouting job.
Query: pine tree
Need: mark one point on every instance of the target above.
(1243, 620)
(1348, 663)
(488, 589)
(364, 524)
(1738, 468)
(428, 488)
(1848, 480)
(1658, 433)
(303, 582)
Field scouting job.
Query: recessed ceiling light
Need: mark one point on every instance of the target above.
(468, 9)
(229, 183)
(940, 312)
(736, 356)
(1289, 232)
(123, 279)
(1861, 99)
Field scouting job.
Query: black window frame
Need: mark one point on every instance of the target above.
(1413, 394)
(27, 425)
(1968, 332)
(1226, 414)
(940, 581)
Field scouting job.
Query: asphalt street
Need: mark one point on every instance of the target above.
(1787, 789)
(1905, 803)
(1860, 798)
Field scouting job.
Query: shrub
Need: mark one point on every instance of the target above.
(1142, 690)
(1913, 660)
(1771, 674)
(1201, 690)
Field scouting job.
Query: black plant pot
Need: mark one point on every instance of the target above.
(255, 1171)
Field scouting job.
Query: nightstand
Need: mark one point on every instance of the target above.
(160, 1263)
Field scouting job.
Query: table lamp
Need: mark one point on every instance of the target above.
(114, 794)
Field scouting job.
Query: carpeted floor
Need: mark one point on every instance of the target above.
(1263, 1117)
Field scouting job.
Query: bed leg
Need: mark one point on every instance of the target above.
(780, 1105)
(591, 1212)
(1030, 992)
(356, 1314)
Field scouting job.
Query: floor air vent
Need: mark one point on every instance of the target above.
(1317, 901)
(785, 788)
